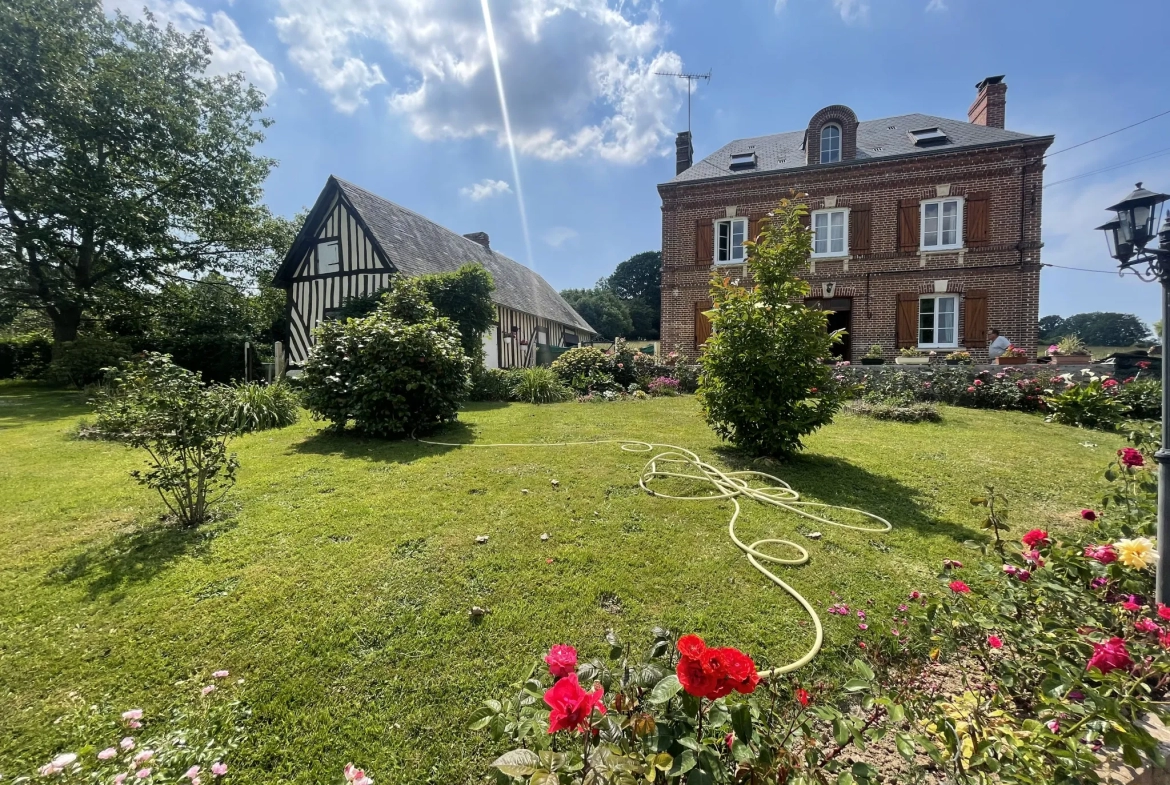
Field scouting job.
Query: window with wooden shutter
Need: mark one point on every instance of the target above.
(975, 319)
(702, 323)
(908, 238)
(755, 225)
(704, 242)
(978, 221)
(907, 320)
(859, 229)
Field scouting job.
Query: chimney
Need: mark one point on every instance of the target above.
(479, 237)
(990, 104)
(684, 153)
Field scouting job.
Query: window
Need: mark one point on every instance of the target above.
(942, 224)
(830, 144)
(741, 161)
(331, 314)
(928, 137)
(936, 321)
(830, 230)
(328, 257)
(729, 239)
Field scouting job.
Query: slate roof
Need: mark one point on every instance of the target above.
(876, 139)
(418, 246)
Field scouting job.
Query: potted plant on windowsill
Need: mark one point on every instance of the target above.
(911, 356)
(873, 356)
(959, 358)
(1012, 356)
(1070, 350)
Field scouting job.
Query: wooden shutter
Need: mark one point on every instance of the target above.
(907, 320)
(704, 242)
(977, 224)
(908, 238)
(975, 319)
(754, 227)
(702, 323)
(859, 229)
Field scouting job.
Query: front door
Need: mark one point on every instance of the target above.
(840, 318)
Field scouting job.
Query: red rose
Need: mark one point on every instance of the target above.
(691, 646)
(802, 696)
(562, 660)
(1102, 553)
(1109, 656)
(958, 587)
(1163, 612)
(570, 706)
(994, 642)
(1164, 640)
(693, 679)
(1109, 383)
(714, 662)
(1088, 515)
(1131, 457)
(741, 671)
(1037, 538)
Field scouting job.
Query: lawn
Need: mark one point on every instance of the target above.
(340, 587)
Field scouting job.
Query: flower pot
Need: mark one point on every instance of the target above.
(911, 360)
(872, 360)
(1072, 359)
(1011, 360)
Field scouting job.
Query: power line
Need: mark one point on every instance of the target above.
(1146, 157)
(1111, 133)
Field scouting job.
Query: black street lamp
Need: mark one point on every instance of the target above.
(1127, 237)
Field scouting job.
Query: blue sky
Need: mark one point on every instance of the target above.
(399, 96)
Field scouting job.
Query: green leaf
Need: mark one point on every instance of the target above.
(517, 763)
(845, 778)
(741, 752)
(856, 685)
(665, 690)
(482, 717)
(863, 670)
(905, 746)
(741, 722)
(841, 732)
(682, 764)
(543, 777)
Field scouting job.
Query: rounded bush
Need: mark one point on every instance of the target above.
(539, 385)
(398, 371)
(84, 361)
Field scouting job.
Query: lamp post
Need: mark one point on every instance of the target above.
(1127, 237)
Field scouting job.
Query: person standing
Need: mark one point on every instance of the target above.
(999, 345)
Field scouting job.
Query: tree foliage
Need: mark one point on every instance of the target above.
(627, 304)
(397, 371)
(1096, 329)
(764, 384)
(602, 309)
(120, 160)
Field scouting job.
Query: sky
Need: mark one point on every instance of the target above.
(401, 97)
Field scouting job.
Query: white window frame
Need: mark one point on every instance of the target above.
(936, 344)
(940, 246)
(840, 143)
(830, 254)
(730, 223)
(336, 268)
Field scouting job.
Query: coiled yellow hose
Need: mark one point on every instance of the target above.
(675, 462)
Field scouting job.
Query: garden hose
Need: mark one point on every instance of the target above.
(681, 463)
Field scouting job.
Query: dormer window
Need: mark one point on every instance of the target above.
(928, 137)
(741, 161)
(830, 144)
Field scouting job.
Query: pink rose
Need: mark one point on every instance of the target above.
(1109, 656)
(1088, 515)
(107, 753)
(219, 768)
(994, 642)
(561, 660)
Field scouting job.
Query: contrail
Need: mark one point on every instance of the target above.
(491, 37)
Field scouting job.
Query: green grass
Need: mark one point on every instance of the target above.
(340, 587)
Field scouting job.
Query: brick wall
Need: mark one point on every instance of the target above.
(1007, 265)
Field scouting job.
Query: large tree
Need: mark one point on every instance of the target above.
(122, 163)
(638, 282)
(602, 309)
(1098, 328)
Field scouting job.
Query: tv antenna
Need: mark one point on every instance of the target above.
(691, 79)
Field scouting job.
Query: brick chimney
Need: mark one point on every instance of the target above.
(684, 153)
(479, 237)
(990, 105)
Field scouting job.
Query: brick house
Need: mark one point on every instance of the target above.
(926, 231)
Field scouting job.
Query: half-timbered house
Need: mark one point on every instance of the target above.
(354, 241)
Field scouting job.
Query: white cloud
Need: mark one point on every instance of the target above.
(559, 235)
(852, 10)
(230, 52)
(579, 74)
(936, 5)
(486, 188)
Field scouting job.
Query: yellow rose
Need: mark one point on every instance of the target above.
(1137, 553)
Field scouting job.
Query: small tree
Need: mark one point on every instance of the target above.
(397, 371)
(157, 406)
(764, 384)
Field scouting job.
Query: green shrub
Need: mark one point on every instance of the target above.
(688, 377)
(622, 365)
(897, 410)
(764, 384)
(539, 385)
(491, 384)
(1091, 405)
(398, 371)
(84, 361)
(579, 364)
(166, 410)
(1141, 399)
(25, 356)
(259, 407)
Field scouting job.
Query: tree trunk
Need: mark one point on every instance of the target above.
(66, 318)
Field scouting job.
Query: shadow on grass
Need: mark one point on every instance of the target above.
(25, 402)
(137, 556)
(349, 444)
(831, 480)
